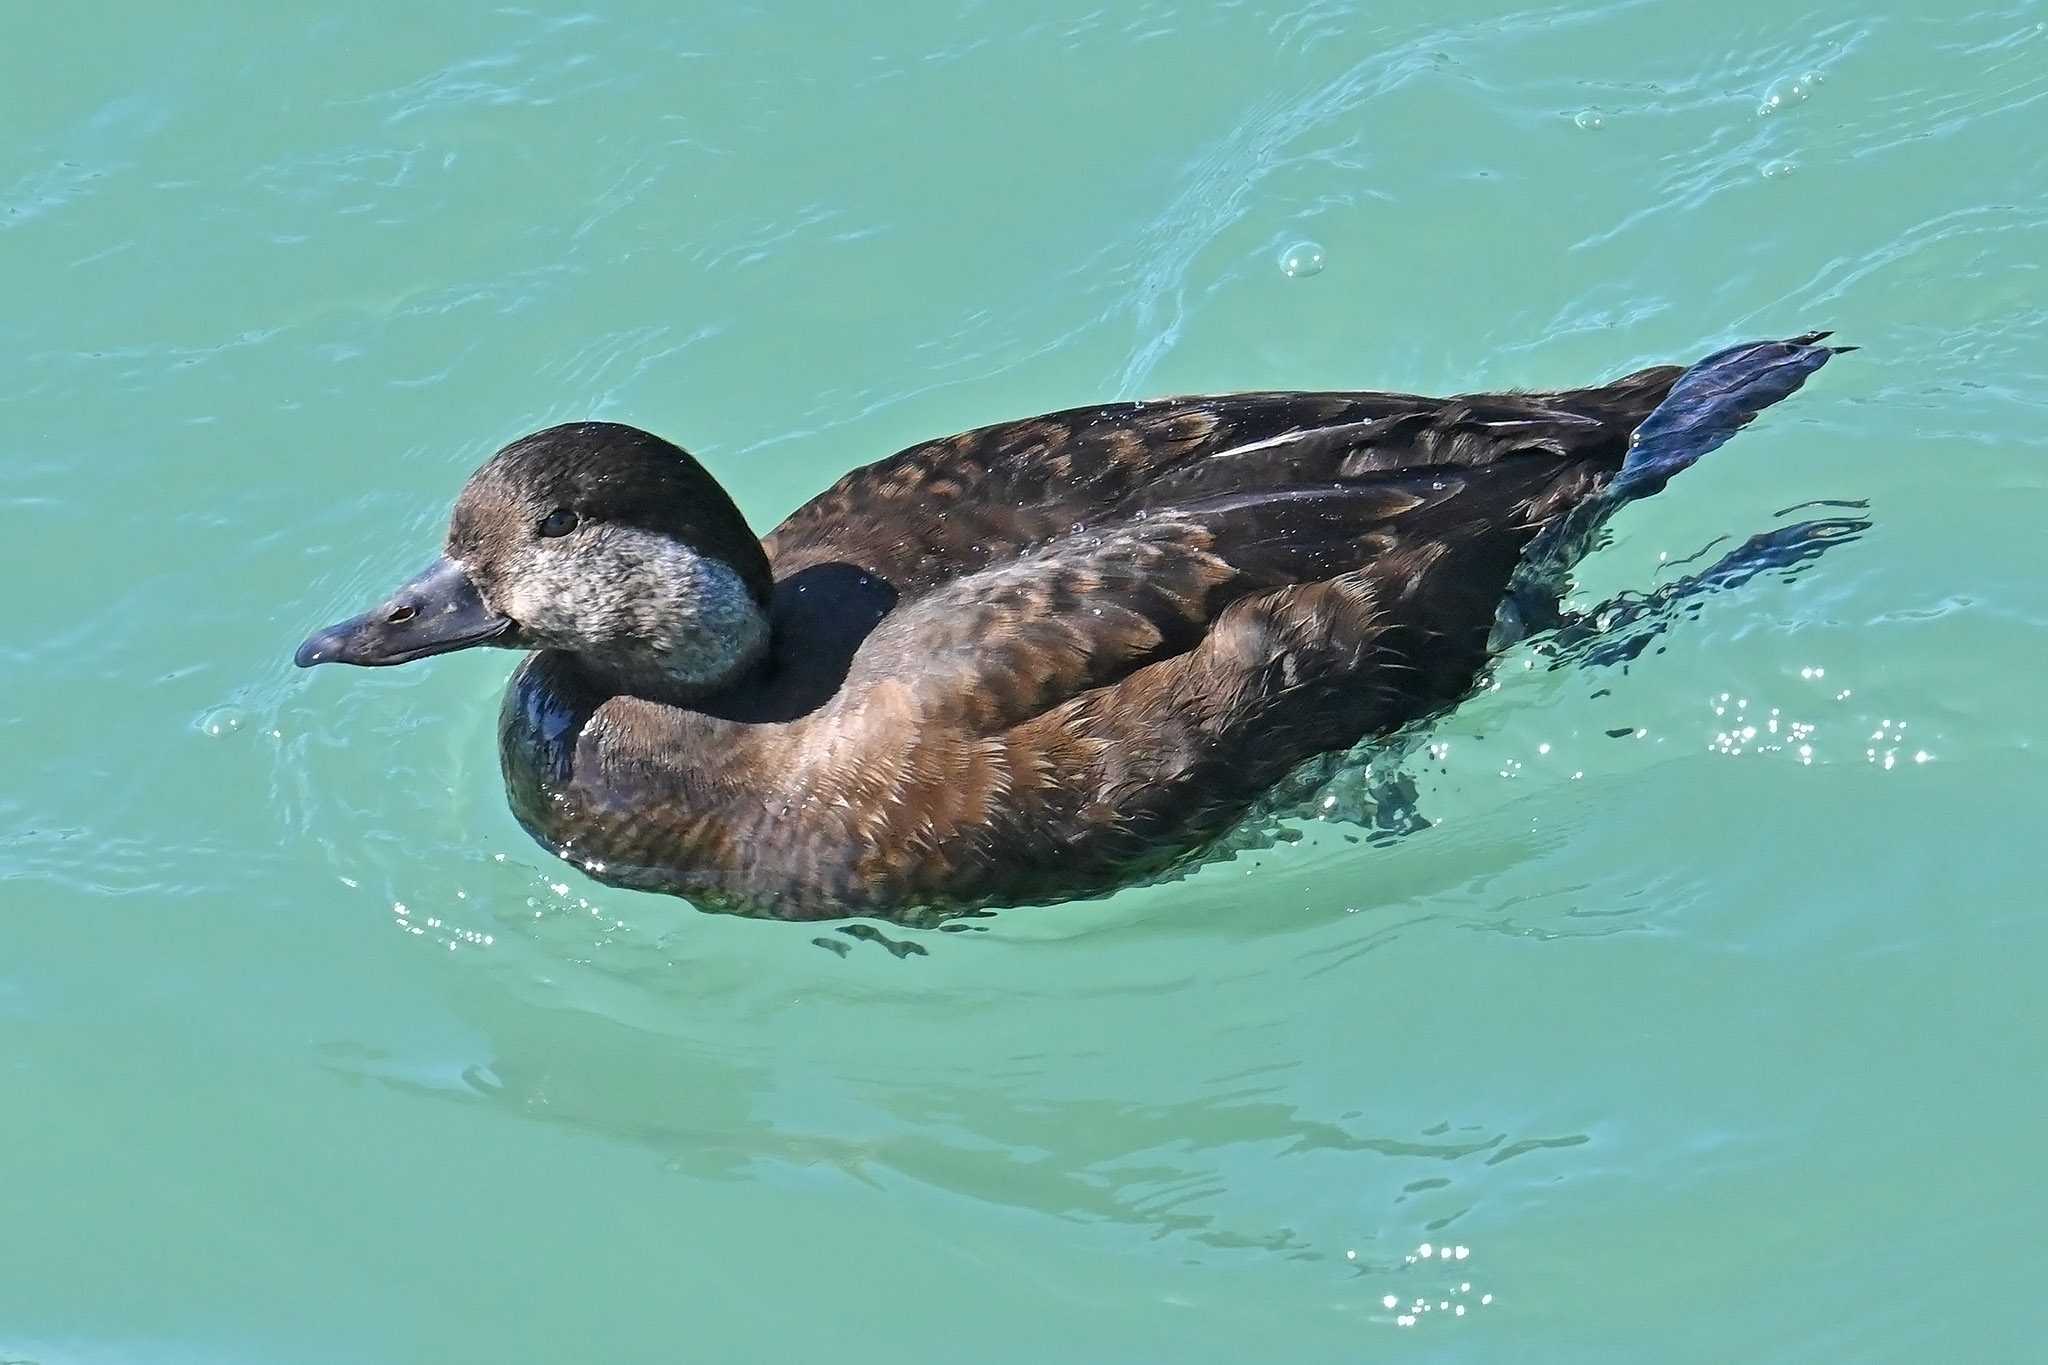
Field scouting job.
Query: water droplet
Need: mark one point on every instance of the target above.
(1589, 119)
(1786, 93)
(221, 721)
(1303, 258)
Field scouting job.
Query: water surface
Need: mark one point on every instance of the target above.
(1701, 1023)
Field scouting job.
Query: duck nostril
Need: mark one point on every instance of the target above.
(400, 615)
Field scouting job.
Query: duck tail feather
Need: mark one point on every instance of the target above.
(1711, 401)
(1707, 404)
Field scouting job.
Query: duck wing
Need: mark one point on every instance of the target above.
(1431, 551)
(944, 509)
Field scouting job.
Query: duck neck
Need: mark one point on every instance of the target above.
(703, 632)
(684, 677)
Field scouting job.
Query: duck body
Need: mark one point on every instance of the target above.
(1030, 662)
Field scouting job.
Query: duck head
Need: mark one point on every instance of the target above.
(596, 540)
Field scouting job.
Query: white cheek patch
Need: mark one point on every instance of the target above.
(639, 602)
(546, 595)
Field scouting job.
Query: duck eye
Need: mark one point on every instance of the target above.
(559, 522)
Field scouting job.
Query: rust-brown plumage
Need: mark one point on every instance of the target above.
(1040, 659)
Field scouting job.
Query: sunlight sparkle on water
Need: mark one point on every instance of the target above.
(1450, 1301)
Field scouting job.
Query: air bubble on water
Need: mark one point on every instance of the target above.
(1785, 93)
(1302, 259)
(1589, 119)
(221, 721)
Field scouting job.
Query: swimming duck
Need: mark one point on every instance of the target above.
(1027, 663)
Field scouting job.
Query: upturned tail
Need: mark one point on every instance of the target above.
(1708, 403)
(1712, 400)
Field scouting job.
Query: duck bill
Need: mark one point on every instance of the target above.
(435, 612)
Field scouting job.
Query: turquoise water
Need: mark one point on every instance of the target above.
(1702, 1023)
